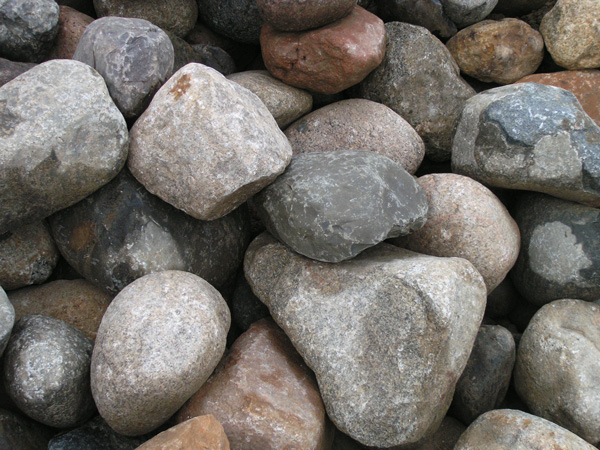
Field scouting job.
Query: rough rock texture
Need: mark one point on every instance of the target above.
(465, 219)
(507, 429)
(199, 433)
(285, 103)
(27, 29)
(420, 80)
(27, 256)
(571, 32)
(497, 51)
(291, 15)
(46, 371)
(236, 19)
(426, 13)
(467, 12)
(560, 250)
(327, 59)
(331, 206)
(10, 70)
(63, 138)
(387, 333)
(532, 137)
(445, 437)
(7, 320)
(71, 26)
(20, 433)
(342, 126)
(558, 366)
(122, 232)
(264, 395)
(151, 354)
(133, 56)
(207, 167)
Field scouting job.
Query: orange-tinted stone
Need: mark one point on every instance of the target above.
(199, 433)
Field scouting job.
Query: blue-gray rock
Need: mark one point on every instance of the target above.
(12, 69)
(7, 319)
(426, 13)
(467, 12)
(22, 433)
(331, 206)
(532, 137)
(133, 56)
(237, 19)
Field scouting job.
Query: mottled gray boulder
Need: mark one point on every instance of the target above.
(206, 144)
(21, 433)
(12, 69)
(46, 371)
(560, 249)
(63, 138)
(133, 56)
(27, 29)
(467, 12)
(331, 206)
(533, 137)
(7, 319)
(387, 333)
(420, 80)
(426, 13)
(558, 366)
(159, 340)
(237, 19)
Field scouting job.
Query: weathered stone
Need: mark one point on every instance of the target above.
(426, 13)
(467, 12)
(151, 354)
(7, 320)
(20, 433)
(331, 206)
(246, 308)
(387, 333)
(342, 126)
(327, 59)
(215, 57)
(264, 395)
(71, 26)
(532, 137)
(236, 19)
(10, 70)
(27, 256)
(206, 167)
(497, 51)
(199, 433)
(63, 138)
(420, 80)
(46, 371)
(291, 15)
(516, 8)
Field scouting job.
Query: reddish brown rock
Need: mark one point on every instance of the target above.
(264, 395)
(328, 59)
(292, 15)
(71, 25)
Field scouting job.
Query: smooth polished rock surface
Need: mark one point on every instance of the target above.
(291, 15)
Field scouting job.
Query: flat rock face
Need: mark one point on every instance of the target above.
(425, 13)
(560, 250)
(207, 167)
(387, 333)
(7, 319)
(46, 371)
(63, 139)
(133, 56)
(468, 12)
(331, 206)
(199, 433)
(151, 354)
(237, 19)
(264, 395)
(18, 432)
(291, 15)
(420, 80)
(567, 393)
(532, 137)
(71, 26)
(327, 59)
(342, 126)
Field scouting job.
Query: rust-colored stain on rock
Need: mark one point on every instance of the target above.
(82, 236)
(181, 87)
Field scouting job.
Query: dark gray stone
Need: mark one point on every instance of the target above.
(12, 69)
(236, 19)
(467, 12)
(21, 433)
(215, 57)
(7, 319)
(426, 13)
(292, 15)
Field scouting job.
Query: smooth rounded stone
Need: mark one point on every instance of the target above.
(133, 56)
(331, 206)
(291, 15)
(199, 433)
(419, 80)
(560, 249)
(7, 319)
(246, 308)
(264, 395)
(63, 138)
(77, 302)
(215, 57)
(445, 437)
(571, 33)
(497, 51)
(557, 372)
(342, 126)
(10, 70)
(465, 219)
(237, 19)
(177, 16)
(502, 300)
(20, 433)
(71, 26)
(285, 103)
(517, 8)
(27, 29)
(467, 12)
(28, 255)
(327, 59)
(122, 232)
(532, 137)
(211, 166)
(387, 333)
(46, 371)
(159, 341)
(426, 13)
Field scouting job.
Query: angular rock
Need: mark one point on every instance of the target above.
(387, 333)
(419, 80)
(331, 206)
(46, 371)
(327, 59)
(445, 437)
(10, 70)
(20, 433)
(426, 13)
(206, 167)
(236, 19)
(63, 139)
(342, 126)
(7, 320)
(71, 26)
(291, 15)
(467, 12)
(199, 433)
(159, 340)
(532, 137)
